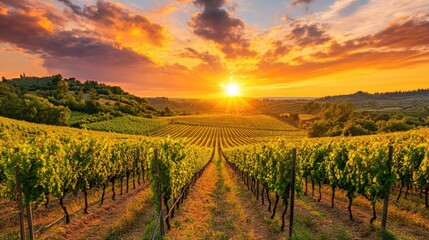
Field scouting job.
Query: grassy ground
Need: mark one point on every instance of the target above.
(216, 209)
(136, 221)
(112, 218)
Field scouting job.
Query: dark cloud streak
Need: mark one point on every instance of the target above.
(210, 63)
(75, 8)
(217, 25)
(307, 34)
(303, 2)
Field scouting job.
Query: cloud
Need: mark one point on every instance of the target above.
(74, 7)
(278, 50)
(217, 25)
(303, 2)
(204, 56)
(26, 31)
(405, 32)
(403, 43)
(166, 9)
(209, 63)
(46, 14)
(284, 72)
(112, 16)
(209, 4)
(307, 34)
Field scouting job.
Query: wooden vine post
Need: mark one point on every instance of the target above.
(20, 207)
(159, 193)
(292, 194)
(386, 198)
(30, 221)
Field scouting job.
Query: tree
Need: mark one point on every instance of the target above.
(395, 125)
(311, 107)
(318, 129)
(79, 96)
(382, 117)
(62, 88)
(33, 109)
(369, 125)
(345, 110)
(354, 129)
(56, 79)
(294, 116)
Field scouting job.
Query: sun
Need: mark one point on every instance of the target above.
(232, 90)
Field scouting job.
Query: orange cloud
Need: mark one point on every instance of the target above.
(396, 46)
(114, 19)
(166, 9)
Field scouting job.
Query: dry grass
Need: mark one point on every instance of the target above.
(306, 117)
(133, 224)
(81, 224)
(401, 223)
(101, 219)
(192, 220)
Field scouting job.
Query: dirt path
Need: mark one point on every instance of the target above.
(216, 209)
(137, 224)
(253, 220)
(192, 220)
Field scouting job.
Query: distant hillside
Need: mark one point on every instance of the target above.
(54, 99)
(393, 101)
(364, 96)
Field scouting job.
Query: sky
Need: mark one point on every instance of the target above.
(193, 48)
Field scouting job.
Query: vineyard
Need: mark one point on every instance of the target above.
(227, 130)
(210, 178)
(367, 166)
(37, 165)
(225, 137)
(127, 125)
(260, 122)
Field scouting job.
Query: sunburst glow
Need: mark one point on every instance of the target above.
(232, 90)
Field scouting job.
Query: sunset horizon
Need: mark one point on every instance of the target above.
(192, 49)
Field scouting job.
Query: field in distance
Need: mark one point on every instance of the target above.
(227, 130)
(260, 122)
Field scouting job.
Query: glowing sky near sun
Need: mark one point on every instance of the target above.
(192, 48)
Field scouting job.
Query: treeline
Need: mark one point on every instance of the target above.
(360, 95)
(50, 99)
(342, 119)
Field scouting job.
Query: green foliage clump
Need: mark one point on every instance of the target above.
(342, 119)
(50, 99)
(32, 108)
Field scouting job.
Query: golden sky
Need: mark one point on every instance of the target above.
(191, 48)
